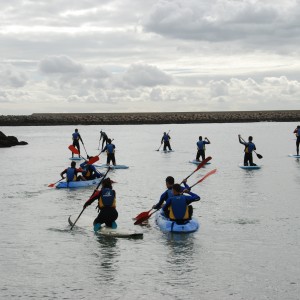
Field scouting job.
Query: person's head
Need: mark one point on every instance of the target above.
(109, 141)
(250, 138)
(106, 183)
(298, 126)
(176, 189)
(73, 164)
(200, 138)
(169, 181)
(76, 130)
(101, 131)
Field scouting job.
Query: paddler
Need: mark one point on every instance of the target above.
(297, 133)
(76, 138)
(72, 173)
(106, 205)
(169, 192)
(89, 172)
(166, 140)
(177, 207)
(110, 149)
(201, 148)
(104, 138)
(249, 148)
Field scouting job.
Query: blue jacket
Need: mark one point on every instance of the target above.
(109, 148)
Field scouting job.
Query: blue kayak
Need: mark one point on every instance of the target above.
(77, 184)
(166, 225)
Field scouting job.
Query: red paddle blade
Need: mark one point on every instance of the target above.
(93, 159)
(143, 214)
(51, 185)
(73, 149)
(207, 159)
(204, 177)
(141, 220)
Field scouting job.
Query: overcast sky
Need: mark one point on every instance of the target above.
(142, 55)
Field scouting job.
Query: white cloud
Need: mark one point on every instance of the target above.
(59, 64)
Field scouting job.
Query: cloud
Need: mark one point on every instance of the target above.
(11, 77)
(59, 64)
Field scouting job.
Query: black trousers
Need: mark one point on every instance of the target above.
(107, 215)
(167, 144)
(111, 157)
(248, 158)
(297, 144)
(200, 153)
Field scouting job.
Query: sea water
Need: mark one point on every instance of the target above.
(247, 246)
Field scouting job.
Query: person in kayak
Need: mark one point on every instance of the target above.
(76, 138)
(106, 205)
(72, 173)
(110, 149)
(178, 208)
(169, 192)
(166, 140)
(89, 172)
(201, 148)
(297, 133)
(249, 148)
(104, 138)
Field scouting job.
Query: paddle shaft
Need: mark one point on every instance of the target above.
(53, 184)
(203, 163)
(204, 177)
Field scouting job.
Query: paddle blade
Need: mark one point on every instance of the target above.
(204, 177)
(51, 185)
(203, 163)
(73, 149)
(259, 156)
(141, 220)
(93, 159)
(143, 214)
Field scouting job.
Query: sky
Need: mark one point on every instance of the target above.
(142, 55)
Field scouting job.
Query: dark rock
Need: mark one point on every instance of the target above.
(9, 141)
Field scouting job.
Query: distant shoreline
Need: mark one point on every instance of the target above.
(55, 119)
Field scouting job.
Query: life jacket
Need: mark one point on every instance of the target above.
(75, 136)
(110, 148)
(298, 133)
(87, 171)
(249, 147)
(178, 210)
(201, 145)
(166, 137)
(170, 193)
(107, 198)
(71, 174)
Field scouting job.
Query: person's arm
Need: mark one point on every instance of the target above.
(63, 172)
(167, 204)
(185, 187)
(162, 139)
(241, 142)
(92, 198)
(169, 137)
(104, 149)
(208, 141)
(163, 197)
(192, 198)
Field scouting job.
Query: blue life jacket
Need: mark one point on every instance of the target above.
(71, 174)
(249, 147)
(298, 133)
(166, 137)
(201, 145)
(110, 148)
(75, 136)
(178, 208)
(107, 198)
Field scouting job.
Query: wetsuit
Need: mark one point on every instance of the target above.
(72, 174)
(76, 137)
(167, 194)
(89, 172)
(103, 136)
(110, 149)
(166, 140)
(177, 208)
(249, 148)
(107, 206)
(201, 149)
(297, 132)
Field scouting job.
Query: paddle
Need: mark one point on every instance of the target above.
(162, 143)
(259, 156)
(143, 216)
(204, 177)
(203, 163)
(91, 160)
(90, 197)
(95, 158)
(53, 184)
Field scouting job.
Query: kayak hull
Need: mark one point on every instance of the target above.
(166, 225)
(77, 184)
(86, 222)
(249, 167)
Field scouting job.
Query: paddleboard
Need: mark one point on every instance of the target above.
(112, 166)
(75, 158)
(195, 162)
(249, 167)
(167, 151)
(294, 155)
(86, 222)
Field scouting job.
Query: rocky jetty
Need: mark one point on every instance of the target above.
(9, 141)
(150, 118)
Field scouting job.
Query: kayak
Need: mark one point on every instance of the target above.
(166, 225)
(294, 155)
(249, 167)
(77, 184)
(112, 166)
(86, 222)
(196, 162)
(75, 158)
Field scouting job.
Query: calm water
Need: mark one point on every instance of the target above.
(247, 246)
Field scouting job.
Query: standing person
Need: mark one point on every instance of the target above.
(110, 149)
(76, 138)
(106, 205)
(201, 148)
(72, 173)
(297, 133)
(166, 140)
(249, 148)
(169, 192)
(103, 136)
(178, 208)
